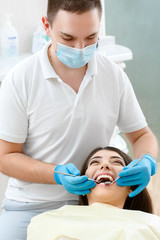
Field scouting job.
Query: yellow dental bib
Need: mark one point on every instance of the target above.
(95, 222)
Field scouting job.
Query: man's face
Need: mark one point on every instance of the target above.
(75, 30)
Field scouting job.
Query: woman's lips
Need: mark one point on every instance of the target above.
(108, 175)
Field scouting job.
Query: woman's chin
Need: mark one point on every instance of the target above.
(100, 194)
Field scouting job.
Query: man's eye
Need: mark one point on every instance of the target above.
(91, 37)
(67, 39)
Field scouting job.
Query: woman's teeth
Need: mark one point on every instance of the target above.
(105, 179)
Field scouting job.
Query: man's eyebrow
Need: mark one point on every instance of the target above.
(66, 34)
(93, 34)
(69, 35)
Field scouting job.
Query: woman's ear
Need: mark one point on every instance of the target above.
(46, 26)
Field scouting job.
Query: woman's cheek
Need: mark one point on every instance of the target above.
(91, 172)
(118, 169)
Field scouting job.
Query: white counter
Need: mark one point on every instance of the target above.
(116, 53)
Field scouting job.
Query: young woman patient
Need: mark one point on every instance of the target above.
(107, 211)
(104, 165)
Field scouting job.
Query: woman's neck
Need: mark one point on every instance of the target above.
(114, 204)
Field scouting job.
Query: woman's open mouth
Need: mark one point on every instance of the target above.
(105, 179)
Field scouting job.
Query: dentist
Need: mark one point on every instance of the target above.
(58, 105)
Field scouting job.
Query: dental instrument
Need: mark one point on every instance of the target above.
(72, 175)
(108, 183)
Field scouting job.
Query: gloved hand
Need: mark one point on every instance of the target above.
(79, 185)
(139, 175)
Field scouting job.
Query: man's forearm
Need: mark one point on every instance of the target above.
(146, 144)
(143, 142)
(27, 169)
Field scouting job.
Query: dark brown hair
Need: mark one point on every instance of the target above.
(141, 202)
(78, 6)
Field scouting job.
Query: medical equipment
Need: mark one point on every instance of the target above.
(72, 175)
(75, 185)
(107, 182)
(130, 167)
(9, 39)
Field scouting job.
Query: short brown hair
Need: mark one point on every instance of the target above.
(141, 202)
(79, 6)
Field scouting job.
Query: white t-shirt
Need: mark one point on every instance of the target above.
(59, 126)
(95, 222)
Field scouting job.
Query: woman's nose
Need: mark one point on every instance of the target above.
(105, 166)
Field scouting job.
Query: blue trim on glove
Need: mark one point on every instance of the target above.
(56, 175)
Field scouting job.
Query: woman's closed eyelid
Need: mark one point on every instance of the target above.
(93, 161)
(112, 162)
(119, 162)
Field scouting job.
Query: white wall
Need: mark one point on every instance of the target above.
(27, 14)
(103, 27)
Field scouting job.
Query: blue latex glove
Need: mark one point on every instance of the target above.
(139, 175)
(79, 185)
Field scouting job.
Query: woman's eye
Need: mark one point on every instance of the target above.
(93, 162)
(119, 162)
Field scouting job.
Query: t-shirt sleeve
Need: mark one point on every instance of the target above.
(13, 114)
(131, 117)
